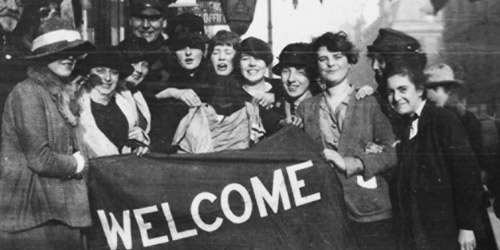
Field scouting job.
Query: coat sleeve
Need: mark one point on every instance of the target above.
(375, 164)
(463, 168)
(31, 126)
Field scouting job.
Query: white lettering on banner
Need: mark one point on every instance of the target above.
(145, 226)
(298, 184)
(112, 235)
(171, 225)
(195, 212)
(279, 191)
(262, 197)
(226, 208)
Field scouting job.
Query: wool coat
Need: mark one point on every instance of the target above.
(36, 158)
(364, 122)
(438, 183)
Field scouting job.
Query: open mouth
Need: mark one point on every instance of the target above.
(222, 67)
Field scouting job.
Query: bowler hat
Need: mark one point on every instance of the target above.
(109, 57)
(295, 54)
(439, 75)
(394, 41)
(57, 36)
(147, 8)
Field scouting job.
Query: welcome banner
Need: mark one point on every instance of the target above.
(277, 195)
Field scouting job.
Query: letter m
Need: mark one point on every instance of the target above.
(262, 196)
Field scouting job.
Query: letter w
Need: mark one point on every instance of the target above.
(262, 196)
(112, 235)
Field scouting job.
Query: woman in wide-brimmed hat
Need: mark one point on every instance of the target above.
(110, 121)
(42, 192)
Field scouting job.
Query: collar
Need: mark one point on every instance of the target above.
(418, 112)
(45, 78)
(344, 101)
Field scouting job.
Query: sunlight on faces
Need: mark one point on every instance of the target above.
(222, 59)
(295, 81)
(333, 66)
(403, 95)
(62, 67)
(141, 69)
(10, 14)
(148, 27)
(189, 58)
(109, 78)
(252, 69)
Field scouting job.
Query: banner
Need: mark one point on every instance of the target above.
(278, 194)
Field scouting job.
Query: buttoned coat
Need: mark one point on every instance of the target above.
(364, 122)
(444, 182)
(36, 158)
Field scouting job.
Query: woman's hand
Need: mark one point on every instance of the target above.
(334, 158)
(373, 148)
(265, 100)
(466, 239)
(293, 120)
(364, 92)
(188, 96)
(140, 151)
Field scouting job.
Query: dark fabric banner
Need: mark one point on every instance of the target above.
(278, 194)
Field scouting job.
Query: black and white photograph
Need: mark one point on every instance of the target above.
(250, 124)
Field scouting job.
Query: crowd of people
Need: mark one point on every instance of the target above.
(406, 154)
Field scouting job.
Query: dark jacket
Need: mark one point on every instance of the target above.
(36, 159)
(438, 187)
(364, 122)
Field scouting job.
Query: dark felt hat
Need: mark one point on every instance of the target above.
(394, 41)
(147, 8)
(106, 56)
(257, 48)
(57, 36)
(295, 54)
(186, 30)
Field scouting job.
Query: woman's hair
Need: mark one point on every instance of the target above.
(224, 37)
(409, 68)
(338, 42)
(257, 48)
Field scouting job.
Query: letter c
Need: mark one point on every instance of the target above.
(195, 212)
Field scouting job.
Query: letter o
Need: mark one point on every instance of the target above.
(246, 200)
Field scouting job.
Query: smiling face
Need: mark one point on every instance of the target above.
(10, 14)
(109, 79)
(333, 66)
(141, 69)
(222, 59)
(403, 95)
(189, 58)
(148, 27)
(295, 81)
(63, 67)
(252, 69)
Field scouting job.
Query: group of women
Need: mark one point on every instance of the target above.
(53, 123)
